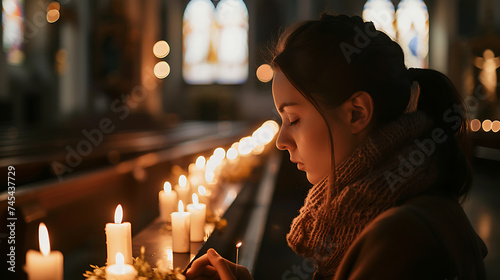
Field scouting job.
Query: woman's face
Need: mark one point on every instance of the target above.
(304, 132)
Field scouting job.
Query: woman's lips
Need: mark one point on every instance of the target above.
(300, 166)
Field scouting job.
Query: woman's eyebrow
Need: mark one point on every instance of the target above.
(282, 107)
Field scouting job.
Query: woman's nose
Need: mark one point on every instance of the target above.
(284, 141)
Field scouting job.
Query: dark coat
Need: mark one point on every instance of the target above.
(427, 237)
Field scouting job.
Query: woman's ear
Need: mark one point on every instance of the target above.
(360, 108)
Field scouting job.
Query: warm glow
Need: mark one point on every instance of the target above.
(232, 153)
(239, 245)
(180, 207)
(273, 125)
(170, 259)
(52, 16)
(195, 199)
(259, 149)
(495, 126)
(167, 187)
(475, 125)
(209, 176)
(182, 181)
(235, 145)
(265, 73)
(161, 49)
(202, 190)
(53, 6)
(486, 125)
(118, 214)
(120, 260)
(43, 239)
(220, 153)
(247, 144)
(200, 162)
(263, 135)
(161, 70)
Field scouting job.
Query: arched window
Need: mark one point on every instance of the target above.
(13, 30)
(412, 21)
(232, 41)
(199, 57)
(382, 14)
(215, 42)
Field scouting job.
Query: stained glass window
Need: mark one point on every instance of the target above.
(412, 21)
(199, 57)
(232, 21)
(382, 14)
(215, 42)
(13, 30)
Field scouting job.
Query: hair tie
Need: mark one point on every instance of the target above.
(414, 96)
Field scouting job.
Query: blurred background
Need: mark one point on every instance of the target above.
(89, 90)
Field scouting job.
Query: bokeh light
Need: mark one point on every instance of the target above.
(161, 49)
(52, 16)
(162, 69)
(486, 125)
(265, 73)
(475, 125)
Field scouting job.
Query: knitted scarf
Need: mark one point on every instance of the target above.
(388, 167)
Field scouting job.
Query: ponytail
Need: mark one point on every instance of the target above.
(440, 100)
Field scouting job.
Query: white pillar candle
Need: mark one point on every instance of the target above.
(45, 264)
(198, 217)
(119, 238)
(181, 224)
(168, 202)
(182, 189)
(120, 270)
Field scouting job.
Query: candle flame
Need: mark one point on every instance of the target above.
(118, 214)
(232, 153)
(239, 245)
(167, 187)
(43, 239)
(182, 181)
(195, 199)
(220, 153)
(181, 207)
(202, 190)
(200, 162)
(120, 260)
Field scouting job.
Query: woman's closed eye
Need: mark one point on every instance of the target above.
(294, 122)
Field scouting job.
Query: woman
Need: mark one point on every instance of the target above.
(384, 146)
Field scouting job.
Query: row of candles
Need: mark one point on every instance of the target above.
(188, 222)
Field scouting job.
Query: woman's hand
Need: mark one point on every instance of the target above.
(213, 266)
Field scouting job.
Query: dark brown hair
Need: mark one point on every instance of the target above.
(329, 59)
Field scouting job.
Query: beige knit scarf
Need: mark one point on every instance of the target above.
(387, 168)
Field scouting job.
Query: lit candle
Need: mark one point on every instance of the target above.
(197, 171)
(45, 264)
(237, 255)
(182, 189)
(181, 224)
(120, 270)
(204, 195)
(168, 199)
(119, 238)
(198, 217)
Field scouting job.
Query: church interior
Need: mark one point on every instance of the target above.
(107, 107)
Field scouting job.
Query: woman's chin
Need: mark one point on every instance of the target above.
(312, 179)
